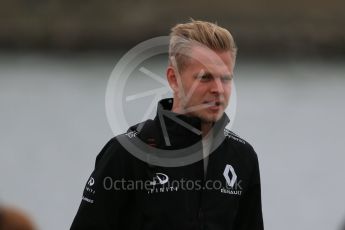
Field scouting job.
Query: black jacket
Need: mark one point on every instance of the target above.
(139, 191)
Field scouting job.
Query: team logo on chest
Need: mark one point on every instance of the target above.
(160, 178)
(233, 186)
(160, 184)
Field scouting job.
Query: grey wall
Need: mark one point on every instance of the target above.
(53, 124)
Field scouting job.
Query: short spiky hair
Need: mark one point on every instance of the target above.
(207, 34)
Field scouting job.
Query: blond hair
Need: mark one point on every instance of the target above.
(208, 34)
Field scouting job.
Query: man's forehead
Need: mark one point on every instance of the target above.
(207, 56)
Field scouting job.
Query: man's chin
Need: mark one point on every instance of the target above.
(210, 118)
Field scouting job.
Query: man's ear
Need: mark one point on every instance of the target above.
(172, 78)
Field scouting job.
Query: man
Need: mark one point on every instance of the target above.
(195, 173)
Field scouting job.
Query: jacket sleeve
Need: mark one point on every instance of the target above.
(249, 216)
(102, 201)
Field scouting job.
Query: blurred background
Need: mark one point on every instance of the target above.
(56, 58)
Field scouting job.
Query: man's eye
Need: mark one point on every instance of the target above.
(226, 78)
(205, 78)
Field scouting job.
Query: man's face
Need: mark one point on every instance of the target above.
(204, 86)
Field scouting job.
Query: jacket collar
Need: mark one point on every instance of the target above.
(178, 130)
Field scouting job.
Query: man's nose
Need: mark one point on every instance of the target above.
(217, 86)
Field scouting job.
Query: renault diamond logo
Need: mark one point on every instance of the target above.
(230, 181)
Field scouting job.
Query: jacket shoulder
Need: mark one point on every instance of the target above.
(142, 130)
(119, 148)
(239, 143)
(234, 137)
(111, 150)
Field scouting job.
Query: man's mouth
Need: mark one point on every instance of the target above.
(214, 105)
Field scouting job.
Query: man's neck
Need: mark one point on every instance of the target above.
(205, 128)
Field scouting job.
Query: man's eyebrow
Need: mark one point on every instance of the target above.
(202, 74)
(209, 74)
